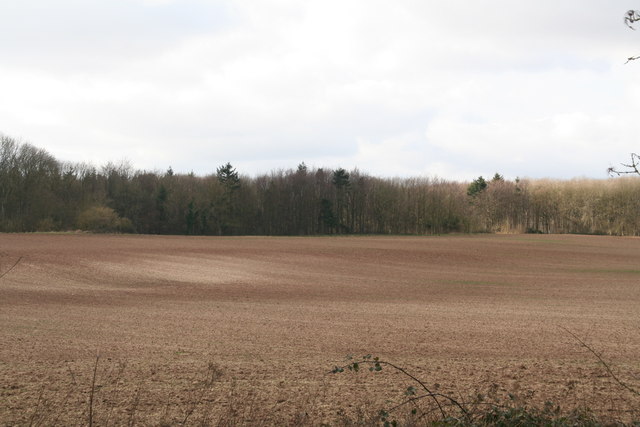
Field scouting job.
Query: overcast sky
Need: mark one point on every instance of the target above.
(453, 89)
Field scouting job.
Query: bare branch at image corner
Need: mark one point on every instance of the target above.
(631, 17)
(629, 168)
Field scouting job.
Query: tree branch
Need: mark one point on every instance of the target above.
(377, 366)
(11, 268)
(632, 168)
(602, 362)
(631, 17)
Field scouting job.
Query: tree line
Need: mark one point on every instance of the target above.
(40, 193)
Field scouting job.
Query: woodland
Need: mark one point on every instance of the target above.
(41, 193)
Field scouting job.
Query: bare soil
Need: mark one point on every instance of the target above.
(246, 329)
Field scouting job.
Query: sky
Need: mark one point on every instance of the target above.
(404, 88)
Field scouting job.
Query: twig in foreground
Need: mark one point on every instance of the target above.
(602, 361)
(11, 268)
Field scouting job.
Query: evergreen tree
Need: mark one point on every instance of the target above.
(476, 187)
(228, 176)
(191, 218)
(340, 179)
(228, 208)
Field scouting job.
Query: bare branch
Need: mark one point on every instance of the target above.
(93, 389)
(11, 268)
(429, 394)
(631, 17)
(631, 168)
(602, 362)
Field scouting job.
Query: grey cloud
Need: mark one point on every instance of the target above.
(79, 34)
(266, 84)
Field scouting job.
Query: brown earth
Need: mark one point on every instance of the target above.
(267, 318)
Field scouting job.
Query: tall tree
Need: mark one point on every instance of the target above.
(228, 176)
(228, 208)
(342, 185)
(477, 186)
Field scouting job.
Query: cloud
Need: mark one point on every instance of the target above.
(76, 36)
(402, 88)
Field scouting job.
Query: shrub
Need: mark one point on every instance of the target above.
(47, 224)
(101, 219)
(423, 405)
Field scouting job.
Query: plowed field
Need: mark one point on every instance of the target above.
(246, 329)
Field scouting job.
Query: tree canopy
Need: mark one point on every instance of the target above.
(40, 193)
